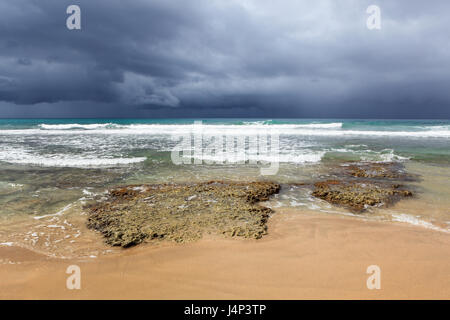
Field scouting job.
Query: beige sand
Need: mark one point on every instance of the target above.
(306, 256)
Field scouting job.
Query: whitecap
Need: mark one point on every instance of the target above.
(60, 212)
(23, 156)
(312, 129)
(406, 218)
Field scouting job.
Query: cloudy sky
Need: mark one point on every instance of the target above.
(225, 58)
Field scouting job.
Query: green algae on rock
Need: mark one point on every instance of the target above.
(358, 195)
(359, 186)
(363, 185)
(137, 213)
(377, 170)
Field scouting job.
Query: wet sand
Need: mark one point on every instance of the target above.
(306, 255)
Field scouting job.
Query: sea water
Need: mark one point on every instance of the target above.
(51, 167)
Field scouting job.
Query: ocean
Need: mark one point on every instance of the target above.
(110, 142)
(52, 167)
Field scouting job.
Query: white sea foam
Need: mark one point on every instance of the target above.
(60, 212)
(353, 146)
(439, 128)
(108, 144)
(313, 129)
(78, 126)
(56, 226)
(21, 156)
(386, 155)
(265, 125)
(87, 192)
(321, 125)
(417, 222)
(9, 185)
(294, 157)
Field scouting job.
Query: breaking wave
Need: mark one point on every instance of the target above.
(19, 156)
(335, 129)
(406, 218)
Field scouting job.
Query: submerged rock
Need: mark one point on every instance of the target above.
(364, 185)
(358, 195)
(133, 214)
(377, 170)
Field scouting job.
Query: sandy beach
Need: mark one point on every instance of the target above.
(224, 150)
(306, 255)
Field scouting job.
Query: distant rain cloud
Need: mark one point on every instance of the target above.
(254, 58)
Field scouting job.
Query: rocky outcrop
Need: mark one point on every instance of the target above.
(376, 170)
(358, 195)
(359, 186)
(137, 213)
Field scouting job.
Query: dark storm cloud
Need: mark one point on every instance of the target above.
(256, 58)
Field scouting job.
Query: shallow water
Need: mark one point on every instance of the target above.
(50, 168)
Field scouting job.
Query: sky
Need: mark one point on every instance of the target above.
(225, 58)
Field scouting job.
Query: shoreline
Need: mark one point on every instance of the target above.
(305, 255)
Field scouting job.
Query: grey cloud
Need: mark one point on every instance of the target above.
(227, 57)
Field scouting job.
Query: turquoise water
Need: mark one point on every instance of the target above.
(347, 124)
(49, 168)
(46, 164)
(110, 142)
